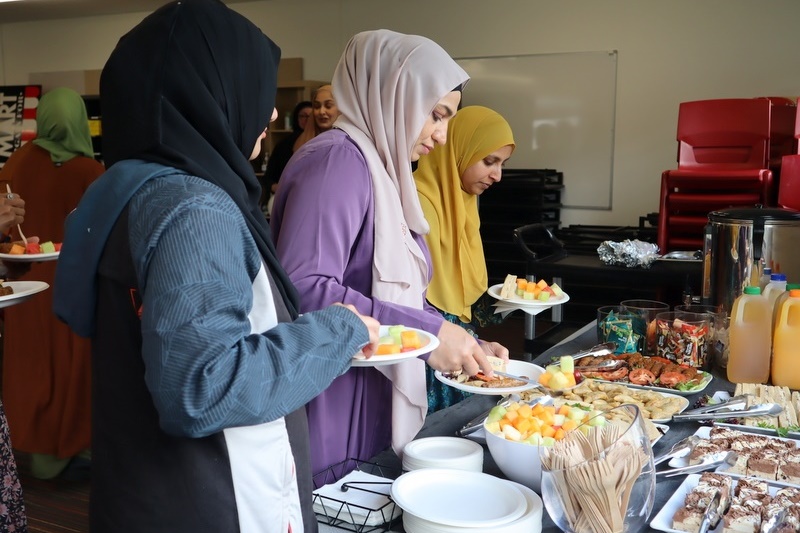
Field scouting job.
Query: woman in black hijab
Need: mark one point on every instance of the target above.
(200, 363)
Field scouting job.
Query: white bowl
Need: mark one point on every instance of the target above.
(517, 460)
(443, 452)
(530, 522)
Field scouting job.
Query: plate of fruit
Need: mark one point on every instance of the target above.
(30, 252)
(398, 343)
(520, 291)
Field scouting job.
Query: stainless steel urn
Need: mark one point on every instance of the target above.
(738, 239)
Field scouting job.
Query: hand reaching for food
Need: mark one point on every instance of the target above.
(459, 351)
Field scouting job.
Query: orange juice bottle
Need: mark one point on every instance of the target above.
(782, 298)
(786, 344)
(750, 338)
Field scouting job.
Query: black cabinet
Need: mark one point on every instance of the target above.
(524, 196)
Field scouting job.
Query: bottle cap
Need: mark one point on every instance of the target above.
(752, 290)
(777, 277)
(790, 286)
(794, 293)
(767, 271)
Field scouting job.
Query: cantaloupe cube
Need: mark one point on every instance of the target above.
(541, 284)
(548, 431)
(16, 249)
(387, 349)
(410, 340)
(559, 434)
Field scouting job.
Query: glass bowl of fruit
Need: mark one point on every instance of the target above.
(515, 432)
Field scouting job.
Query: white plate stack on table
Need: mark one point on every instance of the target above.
(508, 299)
(457, 501)
(443, 452)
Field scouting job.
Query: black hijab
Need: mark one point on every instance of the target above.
(192, 87)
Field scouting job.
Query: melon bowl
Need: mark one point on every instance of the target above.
(519, 461)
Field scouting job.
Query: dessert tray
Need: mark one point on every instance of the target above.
(704, 433)
(663, 520)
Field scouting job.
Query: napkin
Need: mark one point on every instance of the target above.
(357, 506)
(505, 308)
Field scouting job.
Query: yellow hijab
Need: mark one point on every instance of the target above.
(459, 268)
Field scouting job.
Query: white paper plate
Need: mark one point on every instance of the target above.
(518, 368)
(29, 258)
(23, 290)
(429, 343)
(529, 522)
(704, 432)
(494, 292)
(663, 520)
(443, 452)
(459, 498)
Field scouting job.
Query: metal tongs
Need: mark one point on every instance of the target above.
(599, 350)
(710, 462)
(712, 515)
(737, 402)
(764, 409)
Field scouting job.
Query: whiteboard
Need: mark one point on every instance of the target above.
(561, 108)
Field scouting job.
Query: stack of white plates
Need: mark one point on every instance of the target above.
(443, 452)
(456, 501)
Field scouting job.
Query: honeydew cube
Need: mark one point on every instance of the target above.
(598, 421)
(497, 413)
(386, 339)
(548, 441)
(493, 427)
(552, 369)
(47, 247)
(558, 291)
(535, 439)
(567, 364)
(528, 295)
(543, 296)
(395, 331)
(576, 414)
(558, 420)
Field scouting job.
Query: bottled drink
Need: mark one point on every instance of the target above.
(786, 345)
(775, 287)
(782, 298)
(766, 275)
(750, 338)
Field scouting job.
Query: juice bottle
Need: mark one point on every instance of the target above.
(786, 346)
(775, 287)
(750, 338)
(780, 300)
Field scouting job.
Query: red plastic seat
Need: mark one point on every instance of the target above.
(723, 161)
(789, 190)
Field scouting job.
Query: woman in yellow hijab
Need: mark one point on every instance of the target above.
(449, 181)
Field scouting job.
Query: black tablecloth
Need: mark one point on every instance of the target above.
(449, 420)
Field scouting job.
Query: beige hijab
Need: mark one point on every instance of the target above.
(387, 85)
(311, 130)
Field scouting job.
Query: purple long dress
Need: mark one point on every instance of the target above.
(323, 227)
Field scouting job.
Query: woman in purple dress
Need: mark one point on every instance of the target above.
(348, 227)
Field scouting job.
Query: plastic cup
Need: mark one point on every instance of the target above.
(718, 322)
(683, 337)
(645, 323)
(615, 324)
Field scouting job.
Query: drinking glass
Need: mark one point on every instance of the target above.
(609, 478)
(645, 323)
(615, 324)
(601, 471)
(683, 337)
(718, 332)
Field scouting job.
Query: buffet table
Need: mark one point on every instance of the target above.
(449, 420)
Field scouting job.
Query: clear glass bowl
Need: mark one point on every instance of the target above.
(609, 477)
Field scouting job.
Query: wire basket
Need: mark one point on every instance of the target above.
(349, 516)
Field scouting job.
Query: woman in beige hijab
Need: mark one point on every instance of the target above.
(325, 112)
(348, 227)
